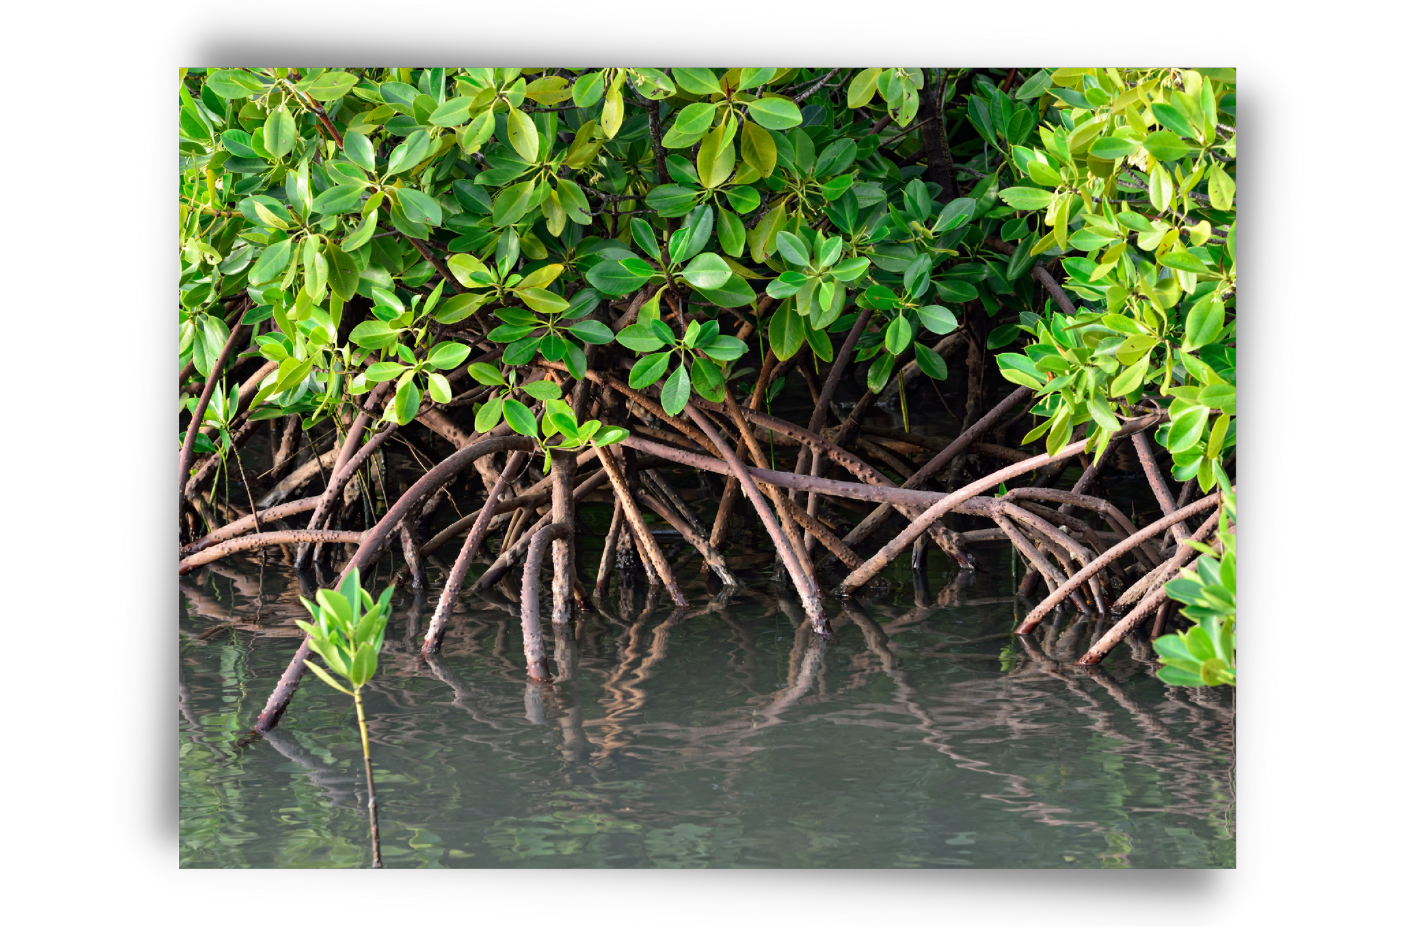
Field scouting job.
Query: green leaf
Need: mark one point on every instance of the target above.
(521, 420)
(930, 362)
(955, 215)
(1042, 174)
(1021, 370)
(588, 89)
(438, 388)
(792, 249)
(592, 332)
(1059, 434)
(543, 390)
(1220, 396)
(374, 334)
(640, 337)
(520, 130)
(1103, 415)
(1176, 676)
(1205, 321)
(898, 336)
(786, 333)
(1181, 260)
(405, 402)
(459, 307)
(611, 435)
(1220, 187)
(542, 300)
(717, 156)
(707, 272)
(612, 278)
(786, 284)
(861, 87)
(730, 232)
(365, 664)
(819, 342)
(410, 153)
(724, 348)
(337, 200)
(1001, 336)
(331, 85)
(448, 355)
(879, 372)
(754, 77)
(343, 273)
(1026, 197)
(758, 150)
(384, 371)
(698, 81)
(486, 375)
(322, 674)
(735, 292)
(280, 132)
(574, 202)
(671, 200)
(1019, 126)
(451, 113)
(707, 380)
(1187, 428)
(774, 112)
(676, 391)
(850, 269)
(489, 415)
(512, 203)
(695, 118)
(955, 291)
(239, 144)
(1113, 147)
(557, 422)
(271, 262)
(1170, 117)
(1165, 146)
(649, 369)
(419, 206)
(938, 320)
(1130, 380)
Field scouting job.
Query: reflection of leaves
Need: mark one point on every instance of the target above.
(562, 833)
(682, 846)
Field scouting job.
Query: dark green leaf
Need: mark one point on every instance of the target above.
(930, 362)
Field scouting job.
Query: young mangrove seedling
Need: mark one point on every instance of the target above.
(349, 636)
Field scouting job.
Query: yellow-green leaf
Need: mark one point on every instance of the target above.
(613, 115)
(758, 149)
(1221, 188)
(717, 156)
(861, 88)
(520, 129)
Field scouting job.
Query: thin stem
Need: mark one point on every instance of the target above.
(368, 772)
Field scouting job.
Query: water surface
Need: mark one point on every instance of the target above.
(920, 735)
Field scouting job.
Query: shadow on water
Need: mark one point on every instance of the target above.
(921, 735)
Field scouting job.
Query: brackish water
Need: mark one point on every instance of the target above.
(918, 736)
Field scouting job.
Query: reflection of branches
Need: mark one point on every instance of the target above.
(327, 778)
(609, 674)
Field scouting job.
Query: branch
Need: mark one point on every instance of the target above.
(189, 445)
(874, 564)
(1041, 275)
(1114, 553)
(448, 599)
(800, 97)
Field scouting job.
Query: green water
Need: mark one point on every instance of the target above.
(918, 736)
